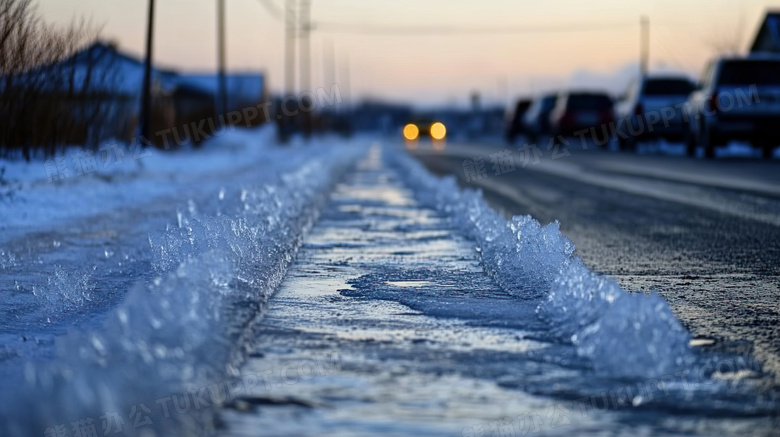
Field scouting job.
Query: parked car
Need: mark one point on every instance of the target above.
(738, 99)
(575, 111)
(514, 120)
(537, 119)
(652, 108)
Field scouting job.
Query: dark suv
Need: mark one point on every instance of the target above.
(739, 99)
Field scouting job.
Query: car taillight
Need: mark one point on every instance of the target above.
(638, 109)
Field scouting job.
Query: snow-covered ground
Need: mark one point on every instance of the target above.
(166, 270)
(154, 312)
(37, 194)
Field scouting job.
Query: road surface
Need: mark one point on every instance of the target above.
(387, 324)
(702, 233)
(341, 289)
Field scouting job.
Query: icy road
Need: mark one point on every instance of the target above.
(340, 289)
(703, 233)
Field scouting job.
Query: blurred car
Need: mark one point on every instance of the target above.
(653, 108)
(576, 111)
(537, 119)
(424, 128)
(739, 99)
(514, 119)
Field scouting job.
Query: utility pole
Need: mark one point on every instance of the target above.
(289, 47)
(345, 79)
(221, 56)
(304, 22)
(644, 45)
(328, 64)
(146, 96)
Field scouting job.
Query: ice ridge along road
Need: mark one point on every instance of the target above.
(196, 276)
(414, 309)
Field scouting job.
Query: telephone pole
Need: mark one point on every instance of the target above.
(146, 96)
(289, 46)
(304, 21)
(221, 56)
(345, 80)
(644, 45)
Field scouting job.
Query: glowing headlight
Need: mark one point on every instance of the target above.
(411, 132)
(438, 131)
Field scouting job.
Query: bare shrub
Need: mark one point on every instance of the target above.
(48, 98)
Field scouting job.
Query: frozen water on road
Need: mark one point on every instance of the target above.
(591, 311)
(362, 290)
(443, 317)
(699, 232)
(390, 282)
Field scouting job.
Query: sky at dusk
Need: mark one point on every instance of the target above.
(563, 43)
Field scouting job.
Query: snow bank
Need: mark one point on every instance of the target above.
(33, 195)
(217, 267)
(621, 334)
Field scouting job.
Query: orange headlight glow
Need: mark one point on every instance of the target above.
(438, 131)
(411, 132)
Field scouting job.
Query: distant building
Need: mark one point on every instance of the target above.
(767, 39)
(115, 82)
(97, 93)
(120, 73)
(127, 74)
(89, 97)
(243, 89)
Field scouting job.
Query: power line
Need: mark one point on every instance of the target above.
(416, 30)
(272, 9)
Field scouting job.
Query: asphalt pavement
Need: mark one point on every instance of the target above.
(702, 233)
